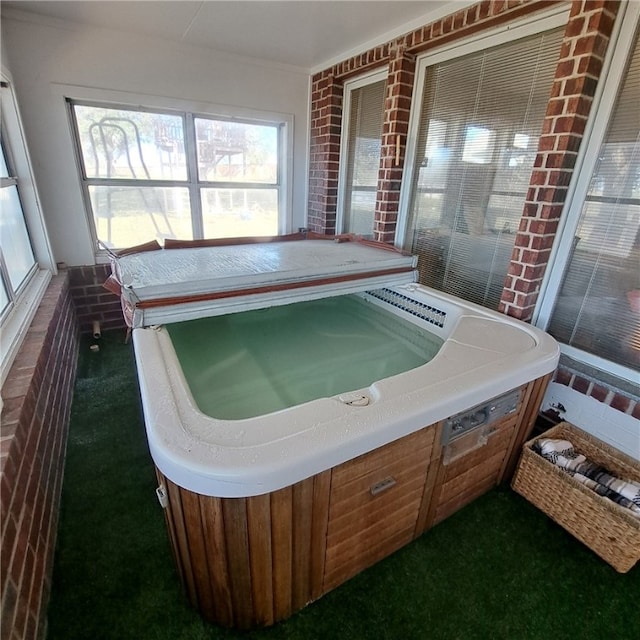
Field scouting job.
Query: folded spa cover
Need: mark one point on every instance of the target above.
(187, 280)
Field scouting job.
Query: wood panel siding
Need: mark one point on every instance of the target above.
(249, 562)
(365, 526)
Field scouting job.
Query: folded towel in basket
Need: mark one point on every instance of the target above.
(562, 453)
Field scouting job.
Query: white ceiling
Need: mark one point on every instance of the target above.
(311, 34)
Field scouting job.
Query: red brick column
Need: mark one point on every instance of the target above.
(395, 127)
(324, 152)
(580, 64)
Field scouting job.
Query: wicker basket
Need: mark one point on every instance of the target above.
(605, 527)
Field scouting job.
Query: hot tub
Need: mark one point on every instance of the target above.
(267, 512)
(483, 354)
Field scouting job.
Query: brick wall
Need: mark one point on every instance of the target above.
(33, 432)
(623, 400)
(579, 67)
(92, 301)
(584, 45)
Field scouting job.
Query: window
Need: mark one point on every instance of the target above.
(155, 174)
(17, 261)
(597, 305)
(26, 262)
(475, 131)
(362, 133)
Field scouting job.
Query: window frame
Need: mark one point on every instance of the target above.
(189, 112)
(349, 87)
(24, 301)
(7, 182)
(605, 100)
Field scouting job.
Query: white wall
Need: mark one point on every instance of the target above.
(43, 54)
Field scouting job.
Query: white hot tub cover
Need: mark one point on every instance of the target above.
(192, 279)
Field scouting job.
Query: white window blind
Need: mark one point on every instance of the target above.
(598, 305)
(363, 158)
(481, 117)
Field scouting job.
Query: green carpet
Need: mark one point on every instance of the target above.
(498, 569)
